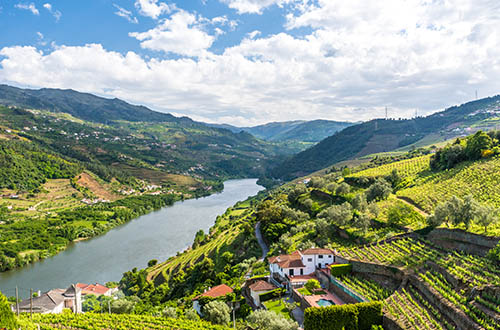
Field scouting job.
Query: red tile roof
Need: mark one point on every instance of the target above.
(216, 291)
(316, 251)
(96, 289)
(293, 260)
(262, 286)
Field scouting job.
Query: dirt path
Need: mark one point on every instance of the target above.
(263, 245)
(410, 202)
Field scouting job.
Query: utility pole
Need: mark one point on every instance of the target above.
(17, 302)
(76, 300)
(31, 303)
(109, 306)
(385, 113)
(234, 315)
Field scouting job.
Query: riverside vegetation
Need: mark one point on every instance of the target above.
(384, 213)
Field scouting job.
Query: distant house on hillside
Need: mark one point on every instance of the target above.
(54, 301)
(215, 292)
(95, 289)
(258, 288)
(299, 263)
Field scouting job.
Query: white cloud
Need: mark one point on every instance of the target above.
(153, 8)
(360, 57)
(31, 7)
(127, 14)
(56, 13)
(253, 6)
(254, 34)
(181, 34)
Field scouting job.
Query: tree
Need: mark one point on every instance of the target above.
(337, 214)
(394, 178)
(343, 189)
(486, 216)
(170, 312)
(192, 315)
(7, 318)
(152, 262)
(268, 320)
(379, 190)
(455, 211)
(363, 222)
(316, 182)
(312, 285)
(217, 312)
(439, 216)
(476, 144)
(295, 193)
(359, 202)
(122, 306)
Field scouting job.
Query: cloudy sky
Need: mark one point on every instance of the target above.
(247, 62)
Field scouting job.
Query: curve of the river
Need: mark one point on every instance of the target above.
(158, 235)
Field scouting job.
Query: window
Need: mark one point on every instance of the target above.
(301, 271)
(309, 259)
(291, 272)
(320, 256)
(329, 256)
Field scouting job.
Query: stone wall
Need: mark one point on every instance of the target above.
(390, 324)
(458, 239)
(460, 320)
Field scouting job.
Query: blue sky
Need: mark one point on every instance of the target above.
(247, 62)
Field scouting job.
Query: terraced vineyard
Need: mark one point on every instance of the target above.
(472, 270)
(402, 252)
(457, 298)
(91, 321)
(405, 168)
(411, 311)
(479, 179)
(371, 290)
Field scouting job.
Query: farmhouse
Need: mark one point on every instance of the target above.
(258, 288)
(95, 289)
(300, 263)
(54, 301)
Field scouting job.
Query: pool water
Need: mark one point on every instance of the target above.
(325, 302)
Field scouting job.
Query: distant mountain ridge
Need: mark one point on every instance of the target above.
(381, 135)
(298, 130)
(85, 106)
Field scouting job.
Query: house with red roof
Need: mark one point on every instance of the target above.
(300, 263)
(95, 289)
(258, 288)
(215, 292)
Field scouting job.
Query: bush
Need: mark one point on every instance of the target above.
(7, 318)
(170, 312)
(312, 285)
(217, 312)
(341, 269)
(360, 316)
(192, 315)
(268, 320)
(380, 190)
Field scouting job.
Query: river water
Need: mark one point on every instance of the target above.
(158, 235)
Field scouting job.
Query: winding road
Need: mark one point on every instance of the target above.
(263, 245)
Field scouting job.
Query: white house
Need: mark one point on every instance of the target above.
(258, 288)
(300, 262)
(54, 301)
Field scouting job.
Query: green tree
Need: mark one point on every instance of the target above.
(379, 190)
(312, 285)
(337, 214)
(7, 318)
(217, 312)
(192, 315)
(486, 216)
(476, 144)
(362, 222)
(170, 312)
(359, 202)
(343, 189)
(268, 320)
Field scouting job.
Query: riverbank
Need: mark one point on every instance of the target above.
(156, 235)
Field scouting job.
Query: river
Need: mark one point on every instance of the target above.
(157, 235)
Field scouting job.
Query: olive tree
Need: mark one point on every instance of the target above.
(268, 320)
(217, 312)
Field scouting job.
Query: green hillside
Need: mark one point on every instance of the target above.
(385, 135)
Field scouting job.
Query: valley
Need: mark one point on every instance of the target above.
(408, 222)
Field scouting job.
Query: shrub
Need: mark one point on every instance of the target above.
(170, 312)
(360, 316)
(217, 312)
(341, 269)
(268, 320)
(312, 285)
(7, 318)
(192, 315)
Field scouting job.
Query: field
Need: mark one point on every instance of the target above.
(90, 321)
(369, 289)
(405, 168)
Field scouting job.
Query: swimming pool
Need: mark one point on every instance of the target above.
(325, 302)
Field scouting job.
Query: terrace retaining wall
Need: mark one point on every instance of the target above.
(458, 239)
(459, 318)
